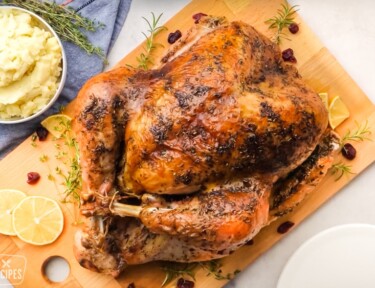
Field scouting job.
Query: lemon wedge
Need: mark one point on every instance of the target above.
(9, 199)
(324, 97)
(38, 220)
(57, 124)
(337, 112)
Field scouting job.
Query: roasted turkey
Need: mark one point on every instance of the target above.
(188, 161)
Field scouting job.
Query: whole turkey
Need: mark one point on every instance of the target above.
(188, 161)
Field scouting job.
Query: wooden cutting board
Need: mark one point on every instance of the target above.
(319, 68)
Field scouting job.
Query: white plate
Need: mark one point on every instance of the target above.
(340, 257)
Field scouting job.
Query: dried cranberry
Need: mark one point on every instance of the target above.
(131, 285)
(198, 17)
(173, 37)
(348, 151)
(183, 283)
(288, 55)
(42, 133)
(293, 28)
(284, 227)
(32, 177)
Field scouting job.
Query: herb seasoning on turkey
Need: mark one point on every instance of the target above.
(188, 161)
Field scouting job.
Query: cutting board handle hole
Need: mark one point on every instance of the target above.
(55, 269)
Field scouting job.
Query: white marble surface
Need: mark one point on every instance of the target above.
(347, 29)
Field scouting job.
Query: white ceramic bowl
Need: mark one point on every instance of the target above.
(62, 78)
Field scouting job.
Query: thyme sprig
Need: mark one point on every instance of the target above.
(341, 169)
(66, 22)
(173, 270)
(145, 58)
(68, 155)
(285, 17)
(360, 134)
(73, 178)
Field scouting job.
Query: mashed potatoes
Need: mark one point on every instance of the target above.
(30, 67)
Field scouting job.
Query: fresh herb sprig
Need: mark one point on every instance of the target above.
(68, 155)
(66, 22)
(285, 17)
(173, 270)
(341, 169)
(362, 133)
(145, 58)
(73, 178)
(213, 268)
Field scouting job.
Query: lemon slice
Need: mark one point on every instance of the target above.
(9, 199)
(324, 97)
(57, 124)
(38, 220)
(337, 112)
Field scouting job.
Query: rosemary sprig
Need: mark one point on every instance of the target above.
(66, 22)
(145, 58)
(341, 169)
(360, 134)
(285, 17)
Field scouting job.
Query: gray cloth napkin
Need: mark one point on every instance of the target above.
(81, 66)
